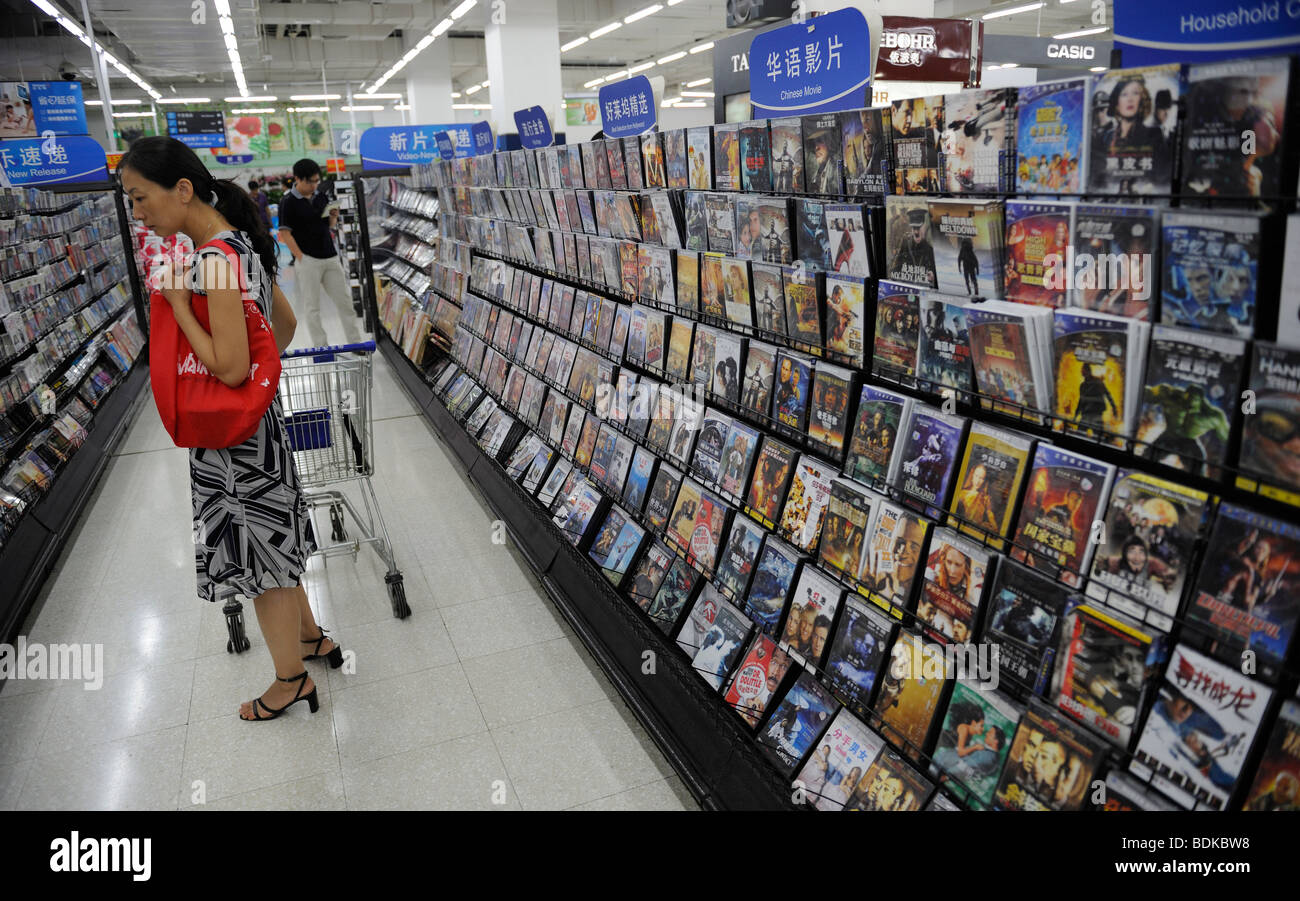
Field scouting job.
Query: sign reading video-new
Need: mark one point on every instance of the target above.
(197, 128)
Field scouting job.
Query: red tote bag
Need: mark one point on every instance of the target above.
(196, 407)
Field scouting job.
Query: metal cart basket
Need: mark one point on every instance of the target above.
(325, 397)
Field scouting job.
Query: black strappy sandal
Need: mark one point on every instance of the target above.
(335, 657)
(312, 701)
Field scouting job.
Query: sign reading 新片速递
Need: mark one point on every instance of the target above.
(534, 128)
(393, 146)
(1201, 30)
(820, 65)
(53, 160)
(628, 108)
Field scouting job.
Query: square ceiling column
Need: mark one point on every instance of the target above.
(523, 62)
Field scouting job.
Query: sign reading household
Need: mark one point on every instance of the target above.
(628, 108)
(53, 159)
(820, 65)
(395, 146)
(534, 128)
(1199, 30)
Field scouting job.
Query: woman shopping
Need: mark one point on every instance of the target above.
(253, 531)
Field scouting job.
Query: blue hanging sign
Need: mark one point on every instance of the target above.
(481, 132)
(234, 159)
(1201, 30)
(628, 108)
(59, 107)
(53, 160)
(534, 128)
(818, 66)
(394, 146)
(446, 149)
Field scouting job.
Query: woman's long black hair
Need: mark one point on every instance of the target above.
(165, 161)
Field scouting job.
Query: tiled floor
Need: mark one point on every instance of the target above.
(482, 699)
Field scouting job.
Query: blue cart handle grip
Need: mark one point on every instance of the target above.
(364, 347)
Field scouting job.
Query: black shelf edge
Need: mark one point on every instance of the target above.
(39, 537)
(706, 743)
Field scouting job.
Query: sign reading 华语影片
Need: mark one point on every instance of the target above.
(821, 65)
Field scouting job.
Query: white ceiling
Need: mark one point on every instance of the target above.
(288, 44)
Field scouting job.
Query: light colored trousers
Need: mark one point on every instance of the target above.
(311, 276)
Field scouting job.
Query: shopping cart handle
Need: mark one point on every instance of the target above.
(364, 347)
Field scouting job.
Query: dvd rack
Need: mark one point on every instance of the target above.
(72, 335)
(1038, 423)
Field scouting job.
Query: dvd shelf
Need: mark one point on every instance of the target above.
(70, 339)
(933, 512)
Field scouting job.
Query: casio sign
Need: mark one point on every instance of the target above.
(1071, 51)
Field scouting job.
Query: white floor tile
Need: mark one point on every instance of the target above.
(460, 774)
(136, 773)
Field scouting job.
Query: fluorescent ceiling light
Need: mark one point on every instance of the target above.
(674, 2)
(227, 25)
(615, 76)
(186, 100)
(694, 104)
(130, 115)
(263, 98)
(423, 42)
(402, 106)
(256, 111)
(999, 13)
(1097, 69)
(223, 7)
(46, 7)
(455, 95)
(360, 109)
(474, 89)
(471, 106)
(697, 93)
(370, 96)
(668, 104)
(484, 83)
(697, 82)
(463, 8)
(308, 109)
(641, 14)
(441, 27)
(663, 60)
(605, 29)
(232, 42)
(700, 48)
(641, 68)
(127, 102)
(313, 96)
(576, 42)
(1078, 34)
(594, 82)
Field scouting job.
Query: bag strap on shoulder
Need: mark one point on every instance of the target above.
(233, 256)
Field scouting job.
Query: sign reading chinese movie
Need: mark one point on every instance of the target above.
(53, 159)
(534, 128)
(59, 107)
(481, 135)
(913, 49)
(197, 128)
(820, 65)
(628, 108)
(1200, 30)
(395, 146)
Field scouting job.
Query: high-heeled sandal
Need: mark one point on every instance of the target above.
(312, 701)
(335, 657)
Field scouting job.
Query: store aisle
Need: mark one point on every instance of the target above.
(482, 699)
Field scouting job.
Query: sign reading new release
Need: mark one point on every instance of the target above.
(53, 160)
(627, 108)
(534, 128)
(821, 65)
(393, 146)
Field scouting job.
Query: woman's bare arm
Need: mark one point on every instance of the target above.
(283, 322)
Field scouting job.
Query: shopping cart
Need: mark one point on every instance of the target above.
(325, 398)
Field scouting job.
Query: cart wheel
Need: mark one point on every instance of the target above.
(336, 522)
(237, 641)
(397, 594)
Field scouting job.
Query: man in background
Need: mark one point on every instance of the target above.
(306, 217)
(259, 200)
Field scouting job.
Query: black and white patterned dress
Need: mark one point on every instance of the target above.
(252, 526)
